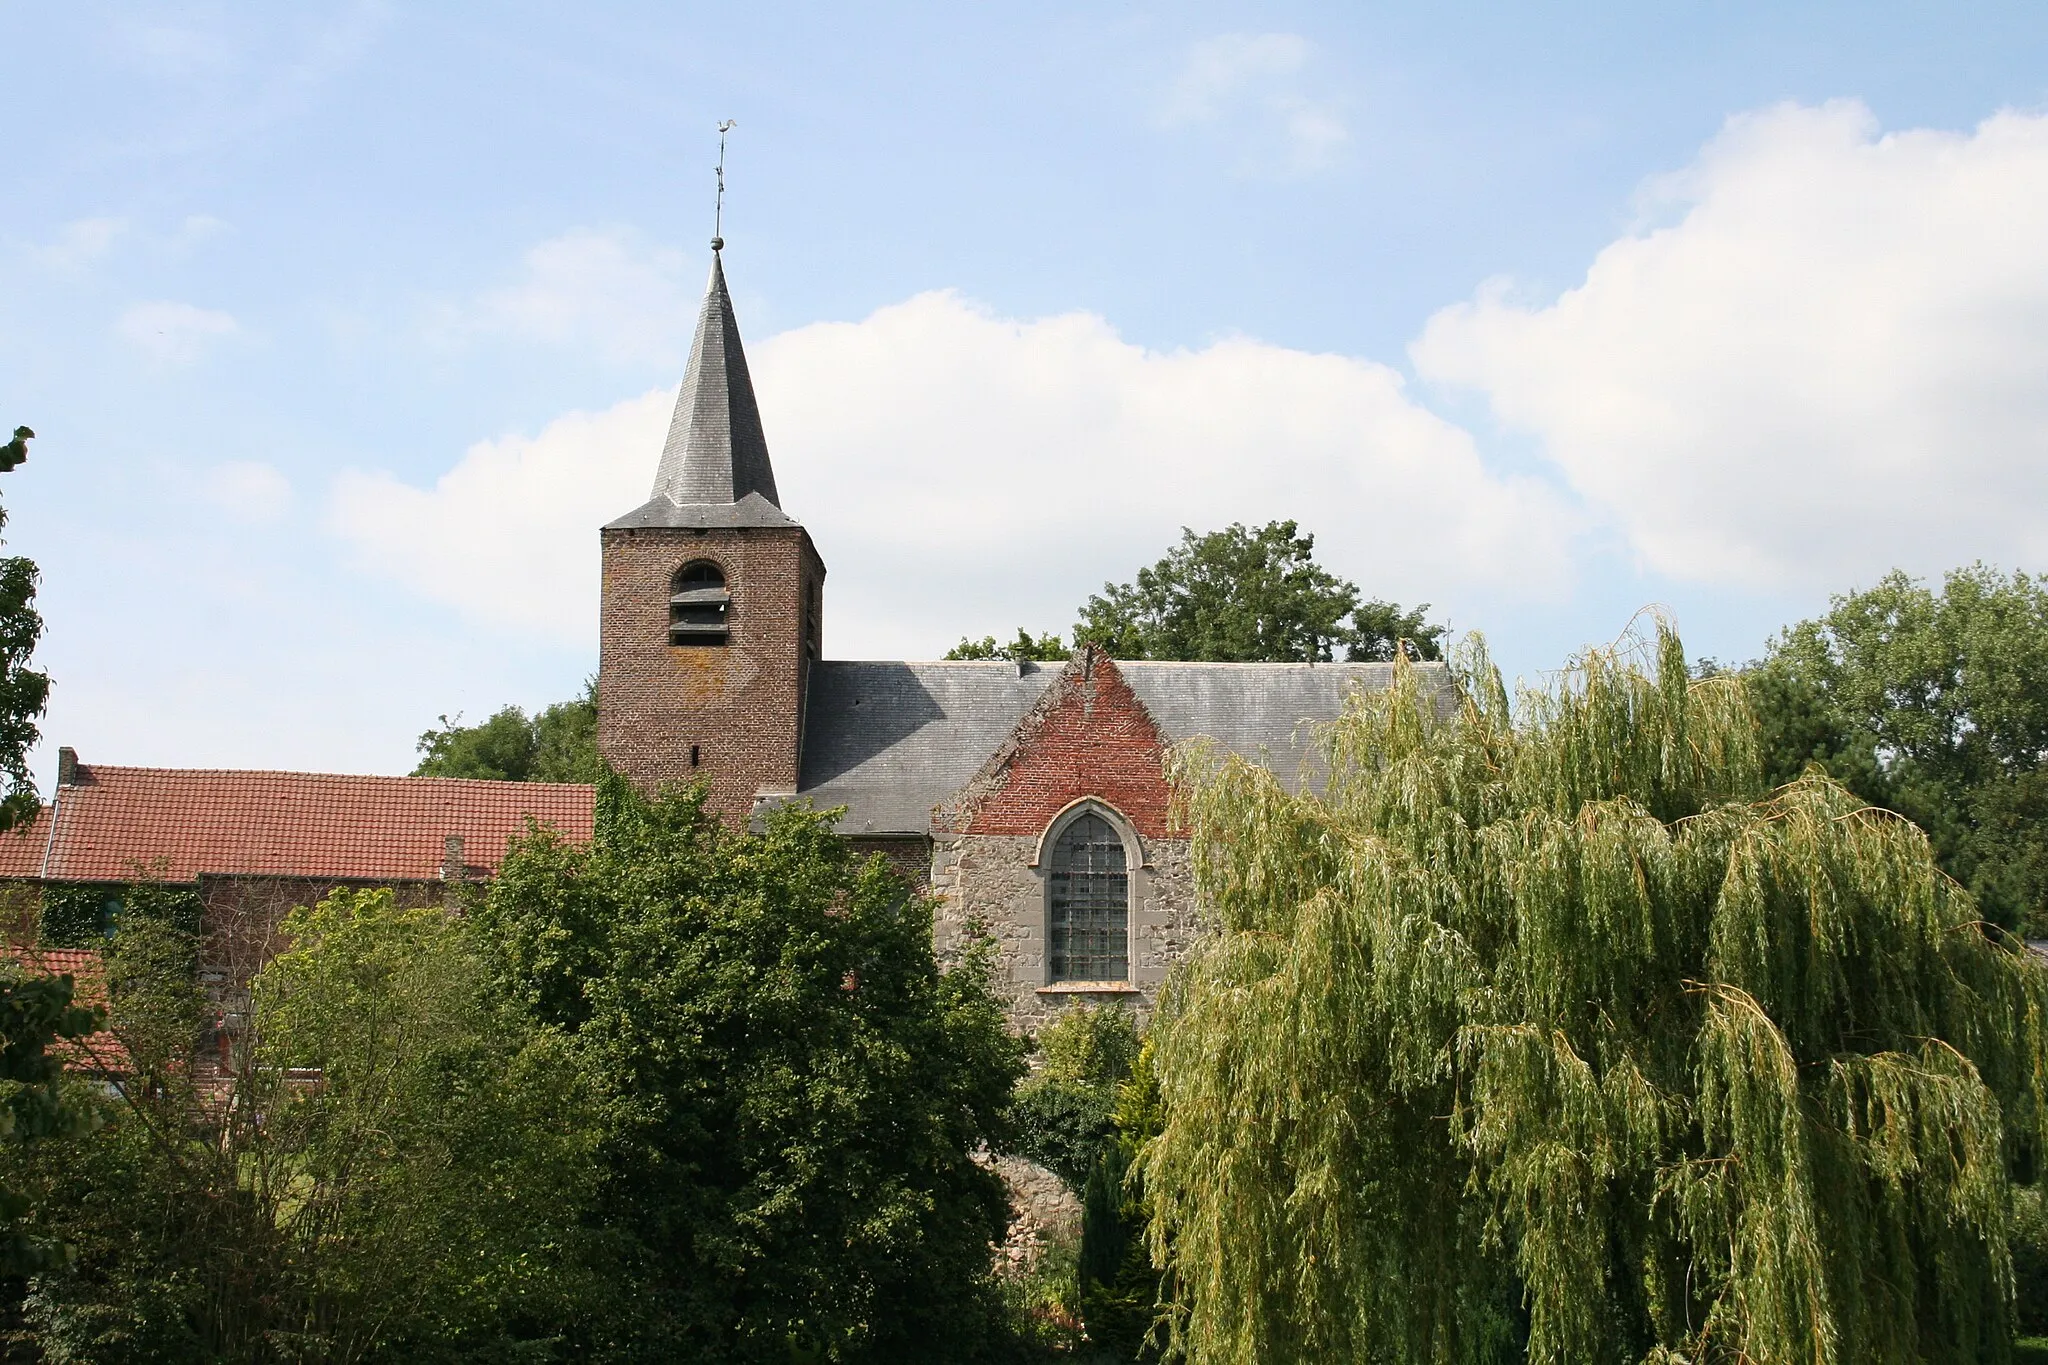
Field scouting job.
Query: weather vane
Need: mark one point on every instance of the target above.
(718, 215)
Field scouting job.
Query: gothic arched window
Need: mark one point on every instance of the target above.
(1089, 903)
(697, 605)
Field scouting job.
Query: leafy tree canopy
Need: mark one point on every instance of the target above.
(24, 692)
(1934, 704)
(557, 745)
(1035, 648)
(376, 1161)
(1241, 595)
(1552, 1033)
(1234, 595)
(35, 1011)
(796, 1089)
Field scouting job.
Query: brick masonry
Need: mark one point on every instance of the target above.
(240, 917)
(1089, 735)
(738, 705)
(910, 856)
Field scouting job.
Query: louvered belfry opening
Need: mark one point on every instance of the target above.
(698, 606)
(1090, 898)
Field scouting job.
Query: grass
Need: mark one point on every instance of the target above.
(2030, 1351)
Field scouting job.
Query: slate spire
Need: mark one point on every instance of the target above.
(714, 467)
(716, 452)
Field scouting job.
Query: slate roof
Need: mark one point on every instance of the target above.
(891, 740)
(714, 468)
(752, 510)
(1250, 709)
(226, 822)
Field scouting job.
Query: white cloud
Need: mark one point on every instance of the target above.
(1832, 358)
(509, 535)
(593, 289)
(247, 490)
(173, 334)
(969, 473)
(1255, 82)
(79, 244)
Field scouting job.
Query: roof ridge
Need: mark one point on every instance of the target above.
(124, 768)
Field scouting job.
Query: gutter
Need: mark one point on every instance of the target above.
(56, 808)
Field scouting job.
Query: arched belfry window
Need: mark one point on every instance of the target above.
(697, 605)
(1088, 903)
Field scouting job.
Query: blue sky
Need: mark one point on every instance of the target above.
(344, 325)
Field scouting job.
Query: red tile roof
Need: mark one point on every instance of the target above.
(88, 972)
(21, 848)
(194, 821)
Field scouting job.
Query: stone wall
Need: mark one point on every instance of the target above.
(994, 880)
(1043, 1211)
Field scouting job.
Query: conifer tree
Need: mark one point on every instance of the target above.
(1547, 1032)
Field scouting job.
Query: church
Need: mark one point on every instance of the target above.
(1030, 800)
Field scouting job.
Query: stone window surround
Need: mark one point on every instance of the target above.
(1139, 869)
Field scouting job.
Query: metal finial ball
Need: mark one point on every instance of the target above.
(718, 243)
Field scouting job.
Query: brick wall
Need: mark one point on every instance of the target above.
(240, 917)
(910, 855)
(739, 705)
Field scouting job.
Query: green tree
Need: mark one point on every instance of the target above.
(378, 1162)
(1034, 648)
(460, 1230)
(1550, 1033)
(796, 1091)
(1239, 595)
(1934, 704)
(35, 1011)
(24, 692)
(557, 745)
(35, 1105)
(1119, 1288)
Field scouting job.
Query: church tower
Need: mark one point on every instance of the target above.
(713, 596)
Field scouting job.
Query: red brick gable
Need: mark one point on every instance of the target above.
(1088, 735)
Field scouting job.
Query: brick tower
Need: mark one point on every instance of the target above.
(713, 596)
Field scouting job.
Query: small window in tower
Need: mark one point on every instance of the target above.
(812, 633)
(697, 605)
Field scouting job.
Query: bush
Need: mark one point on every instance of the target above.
(1064, 1114)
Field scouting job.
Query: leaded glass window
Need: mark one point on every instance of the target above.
(1090, 899)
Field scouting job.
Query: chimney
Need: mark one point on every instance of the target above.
(67, 766)
(453, 868)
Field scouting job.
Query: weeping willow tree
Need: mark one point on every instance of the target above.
(1544, 1032)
